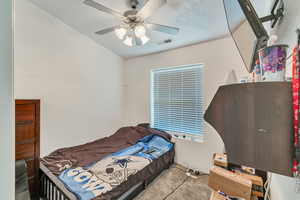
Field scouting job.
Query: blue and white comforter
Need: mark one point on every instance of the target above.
(101, 177)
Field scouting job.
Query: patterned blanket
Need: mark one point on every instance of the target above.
(101, 177)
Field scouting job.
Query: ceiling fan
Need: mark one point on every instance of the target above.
(134, 27)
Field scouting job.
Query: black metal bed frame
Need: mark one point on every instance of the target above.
(49, 190)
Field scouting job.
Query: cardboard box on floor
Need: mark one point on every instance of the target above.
(257, 183)
(230, 183)
(220, 160)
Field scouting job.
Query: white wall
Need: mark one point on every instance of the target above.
(6, 101)
(78, 81)
(218, 57)
(286, 31)
(282, 187)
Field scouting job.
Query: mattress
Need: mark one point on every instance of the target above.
(134, 144)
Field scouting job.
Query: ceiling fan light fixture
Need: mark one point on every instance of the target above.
(145, 39)
(140, 31)
(120, 32)
(128, 41)
(134, 30)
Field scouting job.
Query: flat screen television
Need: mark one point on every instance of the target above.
(246, 29)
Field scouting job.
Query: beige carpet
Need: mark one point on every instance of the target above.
(174, 184)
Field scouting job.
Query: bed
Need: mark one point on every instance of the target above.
(144, 151)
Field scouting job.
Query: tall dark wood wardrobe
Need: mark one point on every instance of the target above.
(28, 139)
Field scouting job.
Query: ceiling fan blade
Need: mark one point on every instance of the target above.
(163, 28)
(150, 7)
(107, 30)
(102, 8)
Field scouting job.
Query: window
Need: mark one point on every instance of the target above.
(177, 101)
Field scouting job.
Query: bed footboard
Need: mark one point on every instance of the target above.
(49, 190)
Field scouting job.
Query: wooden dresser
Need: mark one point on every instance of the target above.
(28, 139)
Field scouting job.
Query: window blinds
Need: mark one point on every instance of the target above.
(177, 99)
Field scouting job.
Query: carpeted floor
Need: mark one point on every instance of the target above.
(174, 184)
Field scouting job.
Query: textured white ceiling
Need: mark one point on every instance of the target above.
(198, 20)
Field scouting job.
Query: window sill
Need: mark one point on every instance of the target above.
(188, 137)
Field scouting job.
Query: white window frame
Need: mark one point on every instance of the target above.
(176, 135)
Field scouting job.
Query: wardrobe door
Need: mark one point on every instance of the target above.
(28, 139)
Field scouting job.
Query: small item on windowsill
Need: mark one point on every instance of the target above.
(188, 137)
(220, 160)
